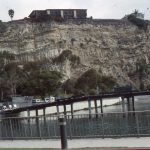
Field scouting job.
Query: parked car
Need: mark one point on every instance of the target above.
(14, 106)
(4, 108)
(50, 99)
(37, 100)
(9, 107)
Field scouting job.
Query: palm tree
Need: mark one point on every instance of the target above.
(11, 13)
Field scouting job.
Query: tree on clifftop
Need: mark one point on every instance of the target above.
(11, 13)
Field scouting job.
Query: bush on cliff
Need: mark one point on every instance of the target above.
(141, 24)
(91, 79)
(67, 55)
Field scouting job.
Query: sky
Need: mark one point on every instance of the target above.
(102, 9)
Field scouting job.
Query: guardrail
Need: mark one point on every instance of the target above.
(129, 124)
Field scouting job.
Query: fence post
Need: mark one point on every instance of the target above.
(89, 105)
(37, 124)
(72, 110)
(69, 123)
(102, 122)
(63, 133)
(137, 124)
(96, 111)
(11, 128)
(133, 107)
(123, 106)
(101, 103)
(1, 128)
(65, 111)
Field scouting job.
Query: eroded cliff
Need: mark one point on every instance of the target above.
(114, 47)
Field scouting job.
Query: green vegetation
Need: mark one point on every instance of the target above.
(28, 79)
(7, 55)
(2, 27)
(39, 82)
(4, 57)
(63, 56)
(6, 77)
(91, 79)
(89, 82)
(68, 86)
(72, 41)
(140, 74)
(142, 69)
(34, 79)
(67, 54)
(141, 24)
(82, 45)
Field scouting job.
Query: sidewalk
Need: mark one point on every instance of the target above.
(80, 143)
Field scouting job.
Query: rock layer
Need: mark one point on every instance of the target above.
(114, 47)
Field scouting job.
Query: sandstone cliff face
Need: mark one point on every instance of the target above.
(112, 46)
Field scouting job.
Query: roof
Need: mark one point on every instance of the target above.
(66, 9)
(53, 9)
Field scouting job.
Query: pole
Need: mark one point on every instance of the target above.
(101, 103)
(137, 124)
(96, 111)
(37, 123)
(72, 110)
(44, 115)
(29, 124)
(128, 103)
(123, 106)
(57, 107)
(133, 107)
(65, 111)
(89, 105)
(63, 133)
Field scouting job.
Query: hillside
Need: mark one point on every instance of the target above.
(114, 47)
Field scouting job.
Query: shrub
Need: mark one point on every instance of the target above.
(68, 86)
(141, 24)
(67, 54)
(62, 57)
(74, 60)
(2, 27)
(72, 41)
(91, 79)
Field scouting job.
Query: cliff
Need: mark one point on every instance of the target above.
(114, 47)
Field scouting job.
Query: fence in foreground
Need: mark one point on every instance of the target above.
(129, 124)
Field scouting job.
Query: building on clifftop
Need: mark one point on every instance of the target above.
(59, 14)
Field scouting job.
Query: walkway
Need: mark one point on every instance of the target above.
(80, 143)
(71, 100)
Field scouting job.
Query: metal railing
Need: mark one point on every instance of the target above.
(129, 124)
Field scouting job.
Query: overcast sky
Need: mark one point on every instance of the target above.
(105, 9)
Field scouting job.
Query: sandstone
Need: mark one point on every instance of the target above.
(113, 46)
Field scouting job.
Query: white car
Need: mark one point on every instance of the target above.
(37, 101)
(49, 99)
(10, 106)
(4, 108)
(14, 106)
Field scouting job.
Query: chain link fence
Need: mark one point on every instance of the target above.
(129, 124)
